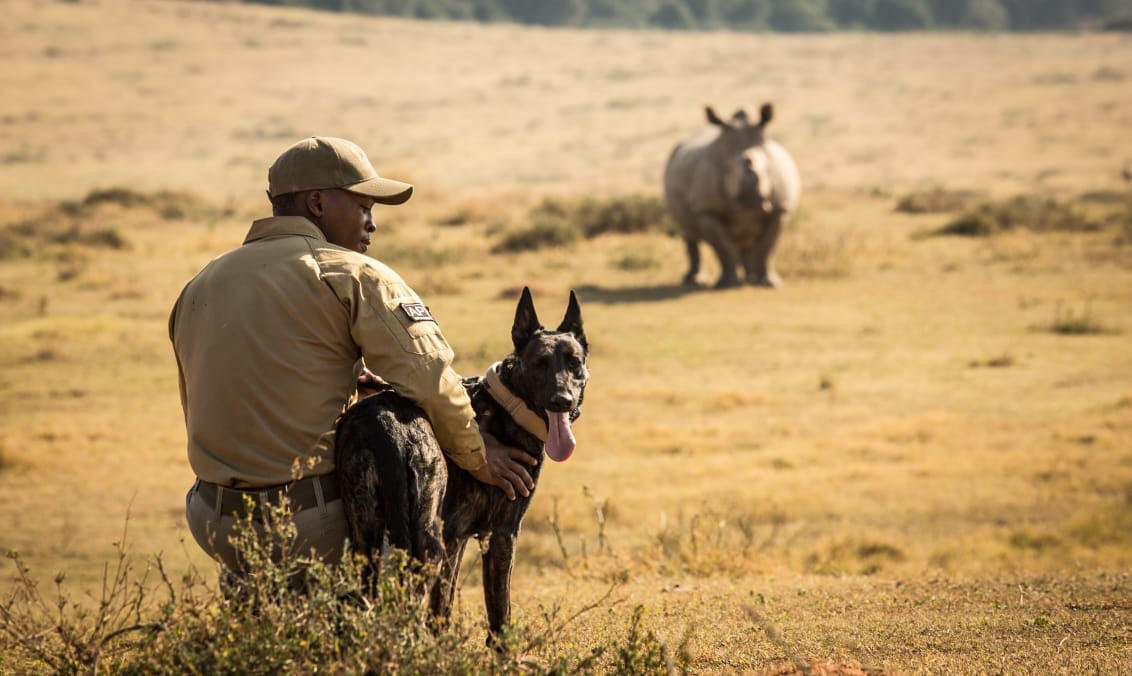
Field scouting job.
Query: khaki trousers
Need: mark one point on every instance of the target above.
(321, 527)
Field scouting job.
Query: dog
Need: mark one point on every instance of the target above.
(397, 486)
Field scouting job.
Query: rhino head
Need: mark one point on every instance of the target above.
(743, 157)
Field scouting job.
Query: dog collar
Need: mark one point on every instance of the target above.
(515, 407)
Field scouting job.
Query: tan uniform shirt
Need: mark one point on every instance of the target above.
(269, 338)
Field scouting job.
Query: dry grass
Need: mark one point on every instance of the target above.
(882, 465)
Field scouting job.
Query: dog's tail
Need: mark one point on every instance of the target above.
(372, 467)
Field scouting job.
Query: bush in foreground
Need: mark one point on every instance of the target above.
(289, 614)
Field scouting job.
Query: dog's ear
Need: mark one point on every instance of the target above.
(526, 321)
(572, 322)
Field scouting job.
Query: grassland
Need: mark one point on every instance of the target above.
(917, 456)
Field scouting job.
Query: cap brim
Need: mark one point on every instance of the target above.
(382, 190)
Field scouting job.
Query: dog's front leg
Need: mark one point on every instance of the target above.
(497, 563)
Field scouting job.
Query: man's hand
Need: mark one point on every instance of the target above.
(504, 467)
(369, 383)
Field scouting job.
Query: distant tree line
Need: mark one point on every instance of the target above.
(758, 15)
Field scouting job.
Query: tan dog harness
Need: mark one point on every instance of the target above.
(515, 407)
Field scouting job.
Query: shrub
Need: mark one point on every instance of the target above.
(288, 614)
(936, 200)
(557, 222)
(1123, 220)
(635, 260)
(899, 15)
(171, 205)
(123, 197)
(972, 224)
(13, 245)
(1070, 323)
(625, 214)
(547, 233)
(107, 238)
(798, 16)
(1037, 213)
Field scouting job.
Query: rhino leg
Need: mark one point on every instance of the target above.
(693, 246)
(716, 234)
(758, 259)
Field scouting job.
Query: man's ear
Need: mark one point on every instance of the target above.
(313, 201)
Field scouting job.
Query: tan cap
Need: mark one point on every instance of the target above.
(324, 162)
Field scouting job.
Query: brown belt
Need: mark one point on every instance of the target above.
(301, 494)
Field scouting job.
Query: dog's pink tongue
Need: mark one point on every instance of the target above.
(560, 441)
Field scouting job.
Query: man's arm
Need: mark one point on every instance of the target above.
(401, 340)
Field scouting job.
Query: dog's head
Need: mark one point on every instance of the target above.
(549, 370)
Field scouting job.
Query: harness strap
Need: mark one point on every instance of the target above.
(515, 407)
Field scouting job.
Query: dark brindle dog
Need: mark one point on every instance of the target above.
(397, 484)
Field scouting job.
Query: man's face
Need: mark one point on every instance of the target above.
(346, 219)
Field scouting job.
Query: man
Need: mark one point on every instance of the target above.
(273, 338)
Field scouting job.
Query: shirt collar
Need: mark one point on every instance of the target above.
(276, 226)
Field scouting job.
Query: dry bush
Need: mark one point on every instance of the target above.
(84, 223)
(171, 205)
(1067, 321)
(810, 253)
(854, 556)
(544, 233)
(286, 614)
(1037, 213)
(559, 222)
(937, 200)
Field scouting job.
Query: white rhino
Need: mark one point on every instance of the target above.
(733, 188)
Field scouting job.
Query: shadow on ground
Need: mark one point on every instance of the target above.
(633, 294)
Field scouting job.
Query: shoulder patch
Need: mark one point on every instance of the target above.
(418, 312)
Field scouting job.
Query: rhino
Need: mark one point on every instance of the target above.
(733, 188)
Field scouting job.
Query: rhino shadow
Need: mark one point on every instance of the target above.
(634, 294)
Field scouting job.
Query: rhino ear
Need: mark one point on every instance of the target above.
(526, 321)
(713, 118)
(766, 114)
